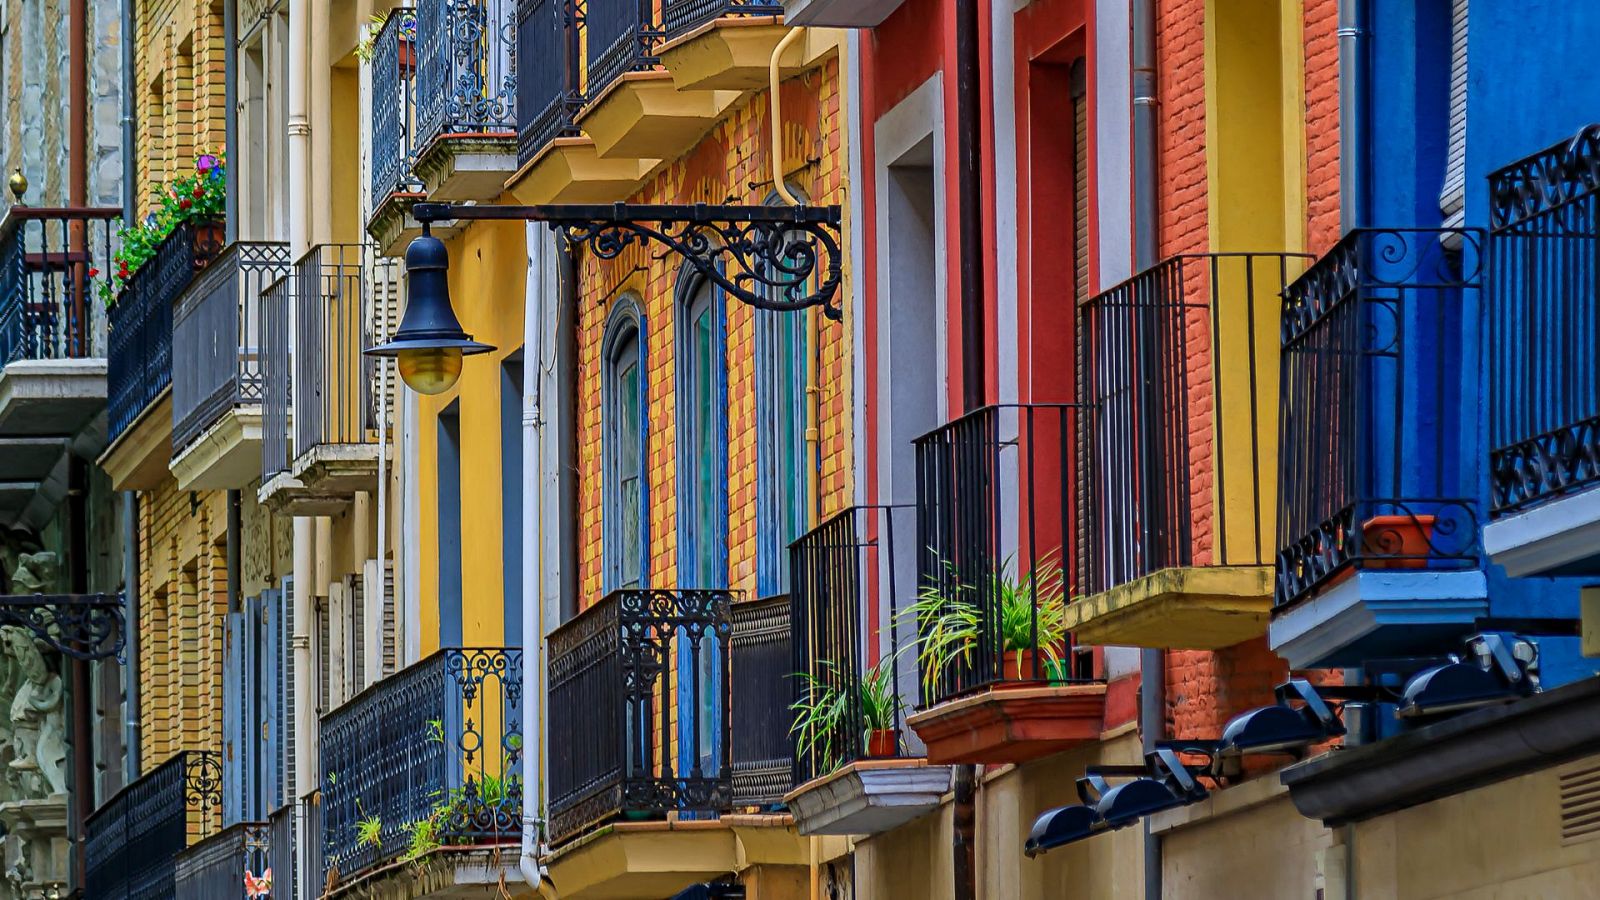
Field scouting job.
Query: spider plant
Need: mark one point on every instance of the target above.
(1030, 609)
(822, 714)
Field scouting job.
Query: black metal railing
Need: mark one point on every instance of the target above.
(216, 337)
(998, 503)
(680, 16)
(466, 69)
(1178, 371)
(277, 368)
(281, 855)
(333, 396)
(1378, 398)
(394, 104)
(762, 690)
(548, 73)
(223, 864)
(620, 36)
(638, 697)
(134, 839)
(1544, 324)
(847, 577)
(439, 743)
(53, 264)
(139, 360)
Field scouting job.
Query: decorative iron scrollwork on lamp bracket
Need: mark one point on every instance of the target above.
(82, 626)
(769, 257)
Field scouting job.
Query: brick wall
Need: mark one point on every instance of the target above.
(1181, 128)
(179, 63)
(732, 164)
(1320, 20)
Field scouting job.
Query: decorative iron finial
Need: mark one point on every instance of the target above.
(18, 183)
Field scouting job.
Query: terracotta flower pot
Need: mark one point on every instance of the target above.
(1407, 537)
(1022, 665)
(883, 742)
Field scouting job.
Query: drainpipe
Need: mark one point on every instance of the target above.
(1353, 72)
(230, 115)
(235, 532)
(82, 727)
(1152, 663)
(130, 671)
(129, 170)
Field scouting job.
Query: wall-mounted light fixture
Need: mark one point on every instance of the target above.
(1284, 726)
(430, 343)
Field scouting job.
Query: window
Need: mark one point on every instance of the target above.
(448, 452)
(623, 425)
(1453, 196)
(511, 477)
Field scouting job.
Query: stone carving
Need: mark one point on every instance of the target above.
(35, 573)
(39, 734)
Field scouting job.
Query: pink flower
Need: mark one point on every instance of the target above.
(206, 162)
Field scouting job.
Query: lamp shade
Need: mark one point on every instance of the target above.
(429, 342)
(1127, 803)
(1061, 825)
(1270, 728)
(1450, 688)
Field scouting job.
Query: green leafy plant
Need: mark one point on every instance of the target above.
(1032, 612)
(822, 714)
(369, 829)
(408, 32)
(200, 195)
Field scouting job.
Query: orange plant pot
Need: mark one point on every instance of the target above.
(1408, 537)
(883, 742)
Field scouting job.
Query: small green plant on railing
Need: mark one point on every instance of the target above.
(1032, 617)
(198, 195)
(822, 714)
(375, 23)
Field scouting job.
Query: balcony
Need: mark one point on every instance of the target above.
(1378, 509)
(998, 564)
(1544, 362)
(1179, 374)
(728, 46)
(672, 707)
(217, 379)
(342, 296)
(857, 768)
(134, 839)
(466, 81)
(139, 364)
(437, 747)
(52, 341)
(219, 865)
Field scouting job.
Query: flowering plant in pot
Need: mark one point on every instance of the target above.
(824, 713)
(1031, 613)
(198, 197)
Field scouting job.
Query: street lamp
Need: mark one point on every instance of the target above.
(429, 344)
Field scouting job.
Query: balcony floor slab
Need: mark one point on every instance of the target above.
(628, 860)
(448, 873)
(285, 494)
(50, 397)
(392, 227)
(570, 170)
(461, 167)
(735, 53)
(1011, 723)
(137, 460)
(1558, 537)
(338, 469)
(868, 797)
(227, 455)
(1378, 613)
(1195, 608)
(643, 115)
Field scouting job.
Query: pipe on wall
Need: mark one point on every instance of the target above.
(130, 671)
(1353, 70)
(230, 113)
(1152, 663)
(969, 185)
(129, 171)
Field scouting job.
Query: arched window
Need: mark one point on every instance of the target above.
(624, 513)
(783, 493)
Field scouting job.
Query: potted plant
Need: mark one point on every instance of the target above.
(1031, 621)
(197, 199)
(824, 713)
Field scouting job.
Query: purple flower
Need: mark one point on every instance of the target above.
(206, 162)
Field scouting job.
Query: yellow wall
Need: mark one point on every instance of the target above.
(488, 268)
(179, 93)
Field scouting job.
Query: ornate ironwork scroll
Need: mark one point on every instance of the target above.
(82, 626)
(770, 257)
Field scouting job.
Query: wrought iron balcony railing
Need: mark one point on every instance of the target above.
(999, 495)
(847, 578)
(1179, 374)
(681, 16)
(760, 696)
(277, 369)
(619, 36)
(394, 104)
(439, 743)
(1377, 399)
(134, 839)
(216, 337)
(218, 866)
(335, 295)
(52, 265)
(139, 364)
(282, 856)
(638, 694)
(548, 72)
(1544, 324)
(466, 69)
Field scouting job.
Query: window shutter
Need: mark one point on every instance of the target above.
(324, 650)
(356, 655)
(233, 716)
(272, 746)
(287, 677)
(1452, 199)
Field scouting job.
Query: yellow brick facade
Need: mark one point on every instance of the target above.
(180, 88)
(730, 165)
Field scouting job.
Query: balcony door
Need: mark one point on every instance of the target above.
(702, 430)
